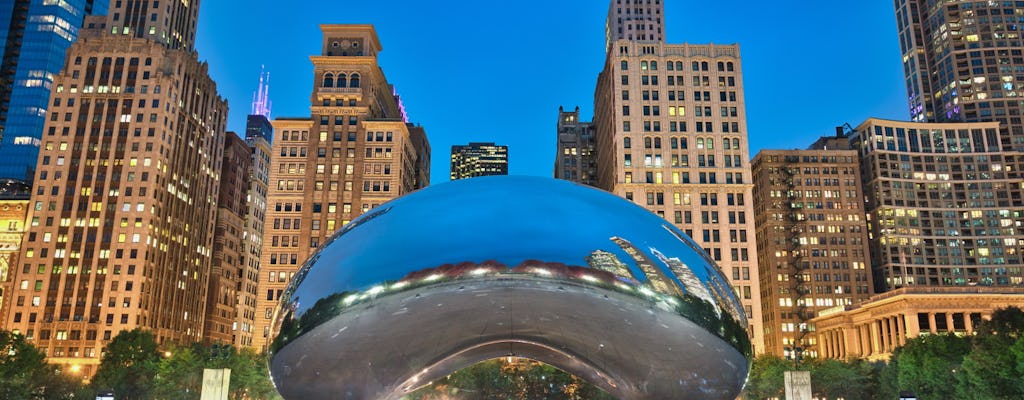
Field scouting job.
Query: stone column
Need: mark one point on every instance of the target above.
(931, 323)
(949, 322)
(967, 323)
(913, 325)
(901, 331)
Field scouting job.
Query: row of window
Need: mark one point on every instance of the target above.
(340, 80)
(722, 66)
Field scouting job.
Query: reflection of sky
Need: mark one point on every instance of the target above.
(508, 219)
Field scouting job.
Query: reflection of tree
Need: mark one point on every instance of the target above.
(518, 379)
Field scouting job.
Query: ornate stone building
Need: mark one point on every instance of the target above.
(355, 152)
(875, 329)
(671, 135)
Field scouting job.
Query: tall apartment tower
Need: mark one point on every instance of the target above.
(635, 20)
(355, 152)
(34, 36)
(258, 135)
(942, 207)
(229, 262)
(574, 158)
(478, 159)
(672, 136)
(812, 242)
(125, 198)
(963, 62)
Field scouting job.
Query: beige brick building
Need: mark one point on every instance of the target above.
(125, 191)
(812, 242)
(355, 152)
(671, 136)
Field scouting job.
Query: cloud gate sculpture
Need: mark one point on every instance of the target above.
(472, 270)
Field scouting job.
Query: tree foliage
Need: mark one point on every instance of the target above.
(928, 365)
(991, 370)
(129, 365)
(24, 373)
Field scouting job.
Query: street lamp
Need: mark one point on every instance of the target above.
(796, 354)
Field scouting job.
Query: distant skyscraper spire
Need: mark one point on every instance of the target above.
(261, 98)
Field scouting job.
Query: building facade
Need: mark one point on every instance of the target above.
(636, 20)
(35, 36)
(671, 135)
(964, 62)
(478, 159)
(228, 267)
(574, 158)
(125, 197)
(812, 242)
(877, 328)
(14, 208)
(942, 206)
(355, 152)
(258, 135)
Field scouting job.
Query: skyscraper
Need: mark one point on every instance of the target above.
(355, 152)
(478, 159)
(125, 197)
(964, 62)
(812, 242)
(671, 135)
(574, 156)
(636, 21)
(942, 206)
(34, 36)
(228, 268)
(258, 135)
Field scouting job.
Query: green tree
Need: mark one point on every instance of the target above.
(24, 373)
(850, 380)
(22, 367)
(990, 370)
(180, 376)
(766, 378)
(129, 365)
(928, 365)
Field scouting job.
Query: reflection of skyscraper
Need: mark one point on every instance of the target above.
(608, 262)
(655, 276)
(720, 291)
(690, 282)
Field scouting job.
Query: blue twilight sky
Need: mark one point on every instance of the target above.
(497, 71)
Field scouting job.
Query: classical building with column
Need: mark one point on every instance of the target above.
(875, 329)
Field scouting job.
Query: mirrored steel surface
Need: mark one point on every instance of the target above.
(472, 270)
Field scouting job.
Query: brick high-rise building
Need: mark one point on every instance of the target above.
(125, 198)
(34, 36)
(672, 136)
(964, 62)
(355, 152)
(574, 156)
(229, 258)
(478, 159)
(812, 242)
